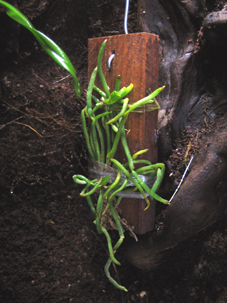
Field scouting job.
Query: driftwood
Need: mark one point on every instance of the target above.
(193, 68)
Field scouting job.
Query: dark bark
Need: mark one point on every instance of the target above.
(193, 68)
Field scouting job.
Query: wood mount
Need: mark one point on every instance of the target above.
(136, 60)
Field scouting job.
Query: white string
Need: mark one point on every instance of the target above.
(182, 179)
(126, 17)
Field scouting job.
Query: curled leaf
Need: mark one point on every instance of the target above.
(52, 49)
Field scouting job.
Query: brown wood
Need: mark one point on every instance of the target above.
(136, 61)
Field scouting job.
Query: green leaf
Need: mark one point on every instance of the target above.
(116, 95)
(52, 49)
(79, 179)
(104, 180)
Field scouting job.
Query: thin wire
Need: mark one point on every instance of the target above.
(109, 62)
(126, 17)
(182, 179)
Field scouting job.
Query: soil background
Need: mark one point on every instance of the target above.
(49, 248)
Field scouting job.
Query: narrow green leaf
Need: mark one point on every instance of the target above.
(52, 49)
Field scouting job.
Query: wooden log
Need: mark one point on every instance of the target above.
(136, 61)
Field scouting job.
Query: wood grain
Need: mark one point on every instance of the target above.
(136, 61)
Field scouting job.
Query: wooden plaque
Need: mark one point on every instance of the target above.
(136, 61)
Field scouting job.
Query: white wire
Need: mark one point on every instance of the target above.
(182, 179)
(109, 62)
(126, 17)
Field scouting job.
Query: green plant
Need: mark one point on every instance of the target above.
(52, 49)
(106, 118)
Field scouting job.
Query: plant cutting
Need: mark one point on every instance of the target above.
(103, 122)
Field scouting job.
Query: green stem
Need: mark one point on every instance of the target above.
(139, 187)
(99, 211)
(126, 149)
(140, 161)
(97, 107)
(121, 113)
(143, 169)
(118, 83)
(117, 138)
(95, 99)
(86, 136)
(109, 243)
(158, 180)
(108, 139)
(110, 248)
(91, 205)
(96, 186)
(89, 91)
(95, 140)
(102, 144)
(148, 190)
(119, 190)
(144, 100)
(118, 224)
(112, 186)
(98, 90)
(114, 194)
(100, 72)
(107, 266)
(79, 179)
(140, 152)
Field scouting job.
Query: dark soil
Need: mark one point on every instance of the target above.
(50, 251)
